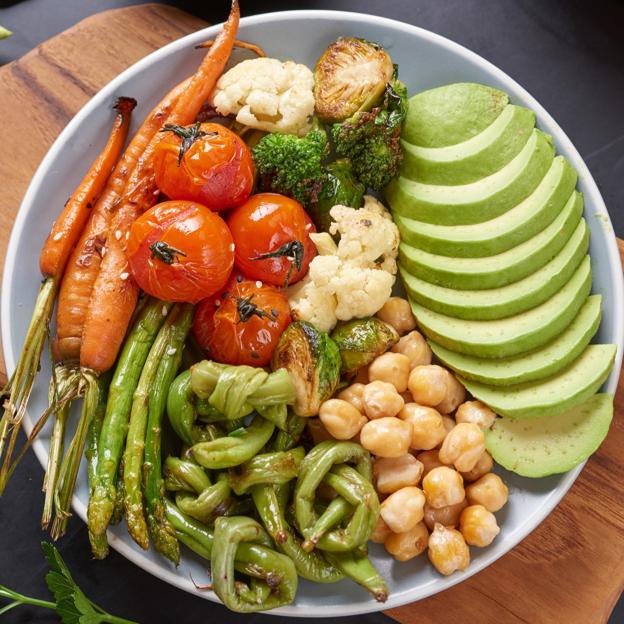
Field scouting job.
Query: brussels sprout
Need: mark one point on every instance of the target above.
(340, 187)
(313, 361)
(351, 75)
(360, 341)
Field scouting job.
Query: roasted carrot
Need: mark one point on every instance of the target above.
(84, 263)
(115, 294)
(62, 239)
(243, 45)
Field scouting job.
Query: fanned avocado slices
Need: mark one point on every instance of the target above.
(538, 448)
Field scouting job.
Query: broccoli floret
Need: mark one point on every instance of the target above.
(291, 165)
(371, 139)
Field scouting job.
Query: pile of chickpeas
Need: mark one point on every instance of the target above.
(431, 470)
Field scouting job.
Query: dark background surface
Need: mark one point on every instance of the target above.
(569, 54)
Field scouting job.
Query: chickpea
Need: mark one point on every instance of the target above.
(381, 400)
(415, 347)
(354, 395)
(386, 437)
(341, 419)
(446, 516)
(443, 486)
(394, 473)
(317, 431)
(429, 460)
(448, 550)
(406, 546)
(428, 384)
(361, 376)
(391, 367)
(381, 532)
(463, 446)
(483, 466)
(404, 509)
(478, 526)
(427, 425)
(455, 394)
(489, 491)
(398, 313)
(477, 413)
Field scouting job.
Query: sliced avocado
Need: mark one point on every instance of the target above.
(496, 303)
(538, 448)
(476, 158)
(552, 395)
(514, 334)
(504, 268)
(511, 228)
(537, 364)
(452, 114)
(479, 201)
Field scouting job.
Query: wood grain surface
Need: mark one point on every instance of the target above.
(568, 570)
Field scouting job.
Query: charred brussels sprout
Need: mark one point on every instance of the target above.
(313, 361)
(351, 75)
(360, 341)
(341, 187)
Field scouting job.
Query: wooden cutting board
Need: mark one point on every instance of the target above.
(568, 570)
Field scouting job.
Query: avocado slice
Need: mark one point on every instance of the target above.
(496, 303)
(492, 237)
(476, 158)
(481, 200)
(538, 448)
(514, 334)
(452, 113)
(552, 395)
(504, 268)
(537, 364)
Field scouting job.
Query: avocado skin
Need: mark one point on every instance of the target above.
(502, 269)
(480, 201)
(496, 303)
(474, 159)
(501, 233)
(537, 364)
(514, 334)
(452, 113)
(538, 448)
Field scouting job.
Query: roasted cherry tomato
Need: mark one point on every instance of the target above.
(206, 163)
(180, 251)
(272, 237)
(243, 324)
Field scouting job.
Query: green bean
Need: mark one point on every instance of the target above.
(115, 425)
(357, 566)
(180, 408)
(181, 474)
(278, 572)
(286, 438)
(233, 450)
(268, 468)
(337, 510)
(160, 529)
(311, 566)
(351, 484)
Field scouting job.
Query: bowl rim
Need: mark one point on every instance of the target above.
(170, 575)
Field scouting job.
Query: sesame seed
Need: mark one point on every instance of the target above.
(258, 284)
(217, 303)
(57, 236)
(117, 234)
(127, 235)
(232, 247)
(171, 351)
(103, 252)
(125, 275)
(164, 311)
(308, 226)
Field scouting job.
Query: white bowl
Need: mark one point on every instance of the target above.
(425, 60)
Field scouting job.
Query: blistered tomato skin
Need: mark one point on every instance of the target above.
(216, 170)
(272, 237)
(180, 251)
(242, 324)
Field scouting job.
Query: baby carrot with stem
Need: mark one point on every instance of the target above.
(59, 244)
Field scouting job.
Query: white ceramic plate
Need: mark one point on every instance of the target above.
(426, 60)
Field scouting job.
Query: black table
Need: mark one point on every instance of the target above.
(569, 54)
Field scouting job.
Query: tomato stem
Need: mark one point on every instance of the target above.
(293, 251)
(188, 134)
(246, 309)
(164, 252)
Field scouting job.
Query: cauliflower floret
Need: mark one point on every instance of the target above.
(267, 94)
(355, 278)
(368, 236)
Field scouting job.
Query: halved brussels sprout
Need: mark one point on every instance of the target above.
(313, 361)
(361, 340)
(350, 76)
